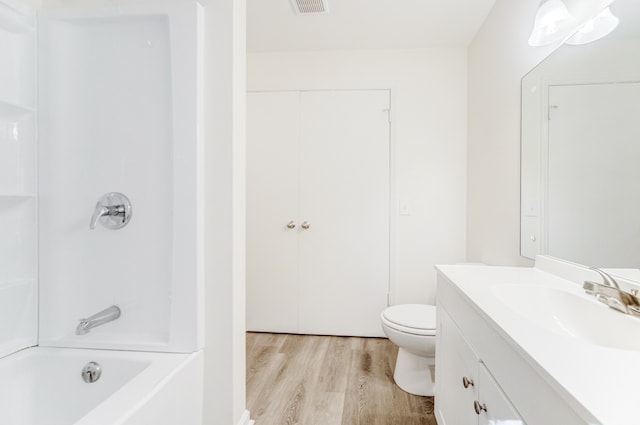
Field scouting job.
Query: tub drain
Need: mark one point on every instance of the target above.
(91, 372)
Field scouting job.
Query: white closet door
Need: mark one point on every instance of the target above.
(272, 201)
(344, 196)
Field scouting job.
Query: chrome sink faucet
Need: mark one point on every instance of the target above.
(609, 293)
(105, 316)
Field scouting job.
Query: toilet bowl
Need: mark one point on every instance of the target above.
(412, 327)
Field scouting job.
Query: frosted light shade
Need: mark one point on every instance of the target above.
(552, 23)
(595, 28)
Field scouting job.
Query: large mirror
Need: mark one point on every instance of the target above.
(580, 181)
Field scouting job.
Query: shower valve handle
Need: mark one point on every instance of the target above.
(115, 207)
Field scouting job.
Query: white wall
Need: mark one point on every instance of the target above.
(224, 130)
(428, 138)
(498, 58)
(610, 60)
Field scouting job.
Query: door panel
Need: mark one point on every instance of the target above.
(499, 408)
(344, 196)
(272, 201)
(320, 157)
(455, 360)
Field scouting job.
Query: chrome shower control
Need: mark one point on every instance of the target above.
(113, 211)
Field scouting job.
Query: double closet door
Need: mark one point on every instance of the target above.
(317, 211)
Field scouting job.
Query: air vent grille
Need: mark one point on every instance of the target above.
(310, 7)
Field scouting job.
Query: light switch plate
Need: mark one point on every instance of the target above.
(531, 208)
(403, 208)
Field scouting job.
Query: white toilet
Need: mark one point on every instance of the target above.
(412, 327)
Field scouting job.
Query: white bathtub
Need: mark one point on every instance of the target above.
(43, 386)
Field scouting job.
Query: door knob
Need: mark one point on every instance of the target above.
(479, 407)
(291, 225)
(467, 382)
(305, 225)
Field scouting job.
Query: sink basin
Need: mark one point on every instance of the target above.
(572, 315)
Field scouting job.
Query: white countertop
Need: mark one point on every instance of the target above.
(604, 381)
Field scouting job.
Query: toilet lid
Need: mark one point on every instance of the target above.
(413, 316)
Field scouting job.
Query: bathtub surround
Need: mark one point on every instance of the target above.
(118, 103)
(18, 180)
(119, 110)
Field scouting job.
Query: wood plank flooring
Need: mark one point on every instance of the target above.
(328, 380)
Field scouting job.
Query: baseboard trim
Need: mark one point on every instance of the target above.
(245, 419)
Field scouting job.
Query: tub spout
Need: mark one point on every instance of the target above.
(105, 316)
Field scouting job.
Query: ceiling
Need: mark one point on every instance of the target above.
(629, 13)
(272, 25)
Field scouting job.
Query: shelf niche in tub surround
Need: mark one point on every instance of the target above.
(18, 187)
(557, 354)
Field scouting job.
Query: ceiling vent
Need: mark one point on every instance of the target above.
(310, 7)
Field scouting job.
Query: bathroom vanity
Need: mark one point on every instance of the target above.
(528, 346)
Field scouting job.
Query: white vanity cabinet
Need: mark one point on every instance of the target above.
(466, 393)
(514, 366)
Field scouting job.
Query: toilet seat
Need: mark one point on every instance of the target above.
(416, 319)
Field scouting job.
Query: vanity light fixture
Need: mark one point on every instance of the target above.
(553, 23)
(595, 28)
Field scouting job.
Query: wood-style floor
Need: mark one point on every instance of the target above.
(328, 380)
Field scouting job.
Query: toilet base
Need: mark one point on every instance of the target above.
(413, 374)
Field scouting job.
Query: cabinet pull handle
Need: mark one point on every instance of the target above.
(479, 407)
(305, 225)
(467, 382)
(291, 225)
